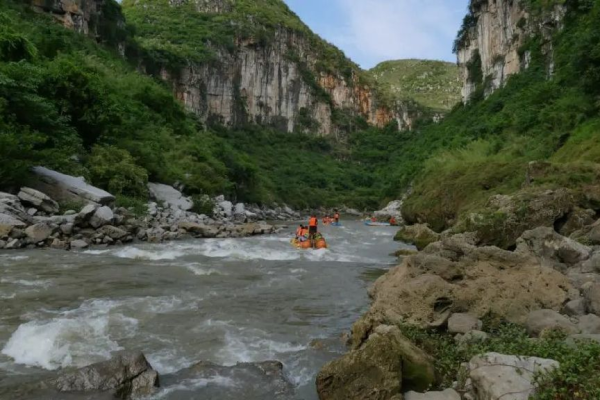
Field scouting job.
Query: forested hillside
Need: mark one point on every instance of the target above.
(487, 146)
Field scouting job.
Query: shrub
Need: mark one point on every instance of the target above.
(115, 170)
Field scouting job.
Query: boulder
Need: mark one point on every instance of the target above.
(589, 324)
(496, 376)
(11, 205)
(463, 323)
(592, 298)
(267, 381)
(575, 307)
(226, 208)
(87, 212)
(170, 197)
(393, 209)
(127, 376)
(382, 367)
(10, 220)
(453, 275)
(506, 218)
(113, 232)
(5, 231)
(13, 244)
(552, 248)
(68, 188)
(59, 244)
(581, 338)
(472, 337)
(38, 232)
(577, 219)
(199, 230)
(420, 235)
(102, 216)
(448, 394)
(38, 200)
(79, 244)
(541, 320)
(66, 229)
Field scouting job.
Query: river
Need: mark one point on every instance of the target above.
(218, 300)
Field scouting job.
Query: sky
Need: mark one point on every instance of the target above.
(372, 31)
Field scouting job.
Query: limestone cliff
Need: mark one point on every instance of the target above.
(238, 62)
(490, 45)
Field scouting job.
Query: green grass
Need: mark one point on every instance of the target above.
(432, 84)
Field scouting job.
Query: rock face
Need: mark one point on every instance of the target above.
(552, 248)
(83, 16)
(382, 367)
(497, 376)
(463, 323)
(61, 187)
(453, 275)
(494, 33)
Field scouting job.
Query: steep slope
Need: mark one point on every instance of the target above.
(533, 141)
(432, 84)
(491, 45)
(254, 61)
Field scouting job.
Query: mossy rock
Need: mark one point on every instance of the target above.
(420, 235)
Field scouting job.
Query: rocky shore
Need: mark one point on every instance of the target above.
(33, 217)
(545, 287)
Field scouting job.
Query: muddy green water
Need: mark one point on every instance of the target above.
(222, 300)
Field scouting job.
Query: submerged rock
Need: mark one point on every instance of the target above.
(260, 380)
(386, 364)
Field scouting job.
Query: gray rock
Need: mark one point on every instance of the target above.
(593, 264)
(13, 244)
(38, 200)
(126, 375)
(574, 339)
(592, 298)
(6, 219)
(87, 212)
(589, 324)
(102, 216)
(112, 232)
(497, 376)
(541, 320)
(67, 229)
(79, 244)
(66, 188)
(55, 219)
(38, 232)
(448, 394)
(170, 196)
(226, 208)
(575, 308)
(32, 211)
(5, 231)
(70, 212)
(472, 337)
(58, 244)
(463, 323)
(552, 248)
(201, 230)
(2, 244)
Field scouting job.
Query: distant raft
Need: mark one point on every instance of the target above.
(320, 243)
(372, 223)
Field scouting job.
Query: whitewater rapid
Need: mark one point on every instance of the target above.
(219, 300)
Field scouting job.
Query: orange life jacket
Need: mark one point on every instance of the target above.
(313, 221)
(304, 232)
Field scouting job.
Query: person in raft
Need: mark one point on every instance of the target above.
(299, 231)
(336, 217)
(313, 222)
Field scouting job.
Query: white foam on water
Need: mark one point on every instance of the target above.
(18, 258)
(96, 252)
(241, 249)
(7, 296)
(167, 361)
(27, 283)
(298, 271)
(152, 255)
(87, 334)
(190, 385)
(196, 269)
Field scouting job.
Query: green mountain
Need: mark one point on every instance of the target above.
(432, 84)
